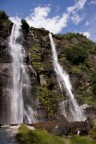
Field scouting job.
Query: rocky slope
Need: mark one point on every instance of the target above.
(76, 53)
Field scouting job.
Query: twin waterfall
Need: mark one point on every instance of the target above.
(20, 100)
(64, 82)
(21, 110)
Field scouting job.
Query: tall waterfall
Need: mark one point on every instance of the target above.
(20, 101)
(64, 82)
(17, 106)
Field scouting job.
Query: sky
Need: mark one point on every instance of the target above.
(57, 16)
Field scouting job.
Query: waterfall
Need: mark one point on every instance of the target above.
(64, 82)
(20, 100)
(16, 50)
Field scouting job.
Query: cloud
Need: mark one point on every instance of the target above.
(39, 18)
(78, 6)
(76, 18)
(73, 11)
(87, 23)
(91, 27)
(87, 34)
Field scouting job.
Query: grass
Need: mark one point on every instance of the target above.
(26, 136)
(81, 140)
(92, 132)
(39, 136)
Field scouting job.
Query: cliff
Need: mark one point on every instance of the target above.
(76, 54)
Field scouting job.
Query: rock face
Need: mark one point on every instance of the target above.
(38, 45)
(5, 68)
(61, 127)
(45, 88)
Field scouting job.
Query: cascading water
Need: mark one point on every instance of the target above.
(20, 100)
(17, 106)
(64, 82)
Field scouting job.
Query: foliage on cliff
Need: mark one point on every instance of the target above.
(76, 54)
(5, 25)
(46, 98)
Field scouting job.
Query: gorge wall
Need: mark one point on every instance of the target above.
(76, 54)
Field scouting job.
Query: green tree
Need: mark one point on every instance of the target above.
(76, 55)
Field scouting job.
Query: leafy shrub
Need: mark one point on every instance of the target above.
(25, 25)
(92, 132)
(94, 89)
(47, 99)
(76, 55)
(93, 79)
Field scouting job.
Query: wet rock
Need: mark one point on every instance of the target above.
(5, 56)
(60, 117)
(89, 111)
(61, 130)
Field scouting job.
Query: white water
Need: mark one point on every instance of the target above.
(21, 105)
(64, 82)
(17, 107)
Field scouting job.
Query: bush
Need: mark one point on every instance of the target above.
(76, 55)
(47, 99)
(25, 25)
(94, 89)
(92, 132)
(93, 79)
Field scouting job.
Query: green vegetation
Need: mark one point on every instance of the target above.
(88, 99)
(69, 35)
(35, 58)
(3, 19)
(94, 84)
(39, 136)
(94, 89)
(46, 97)
(76, 55)
(92, 132)
(74, 52)
(81, 140)
(26, 136)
